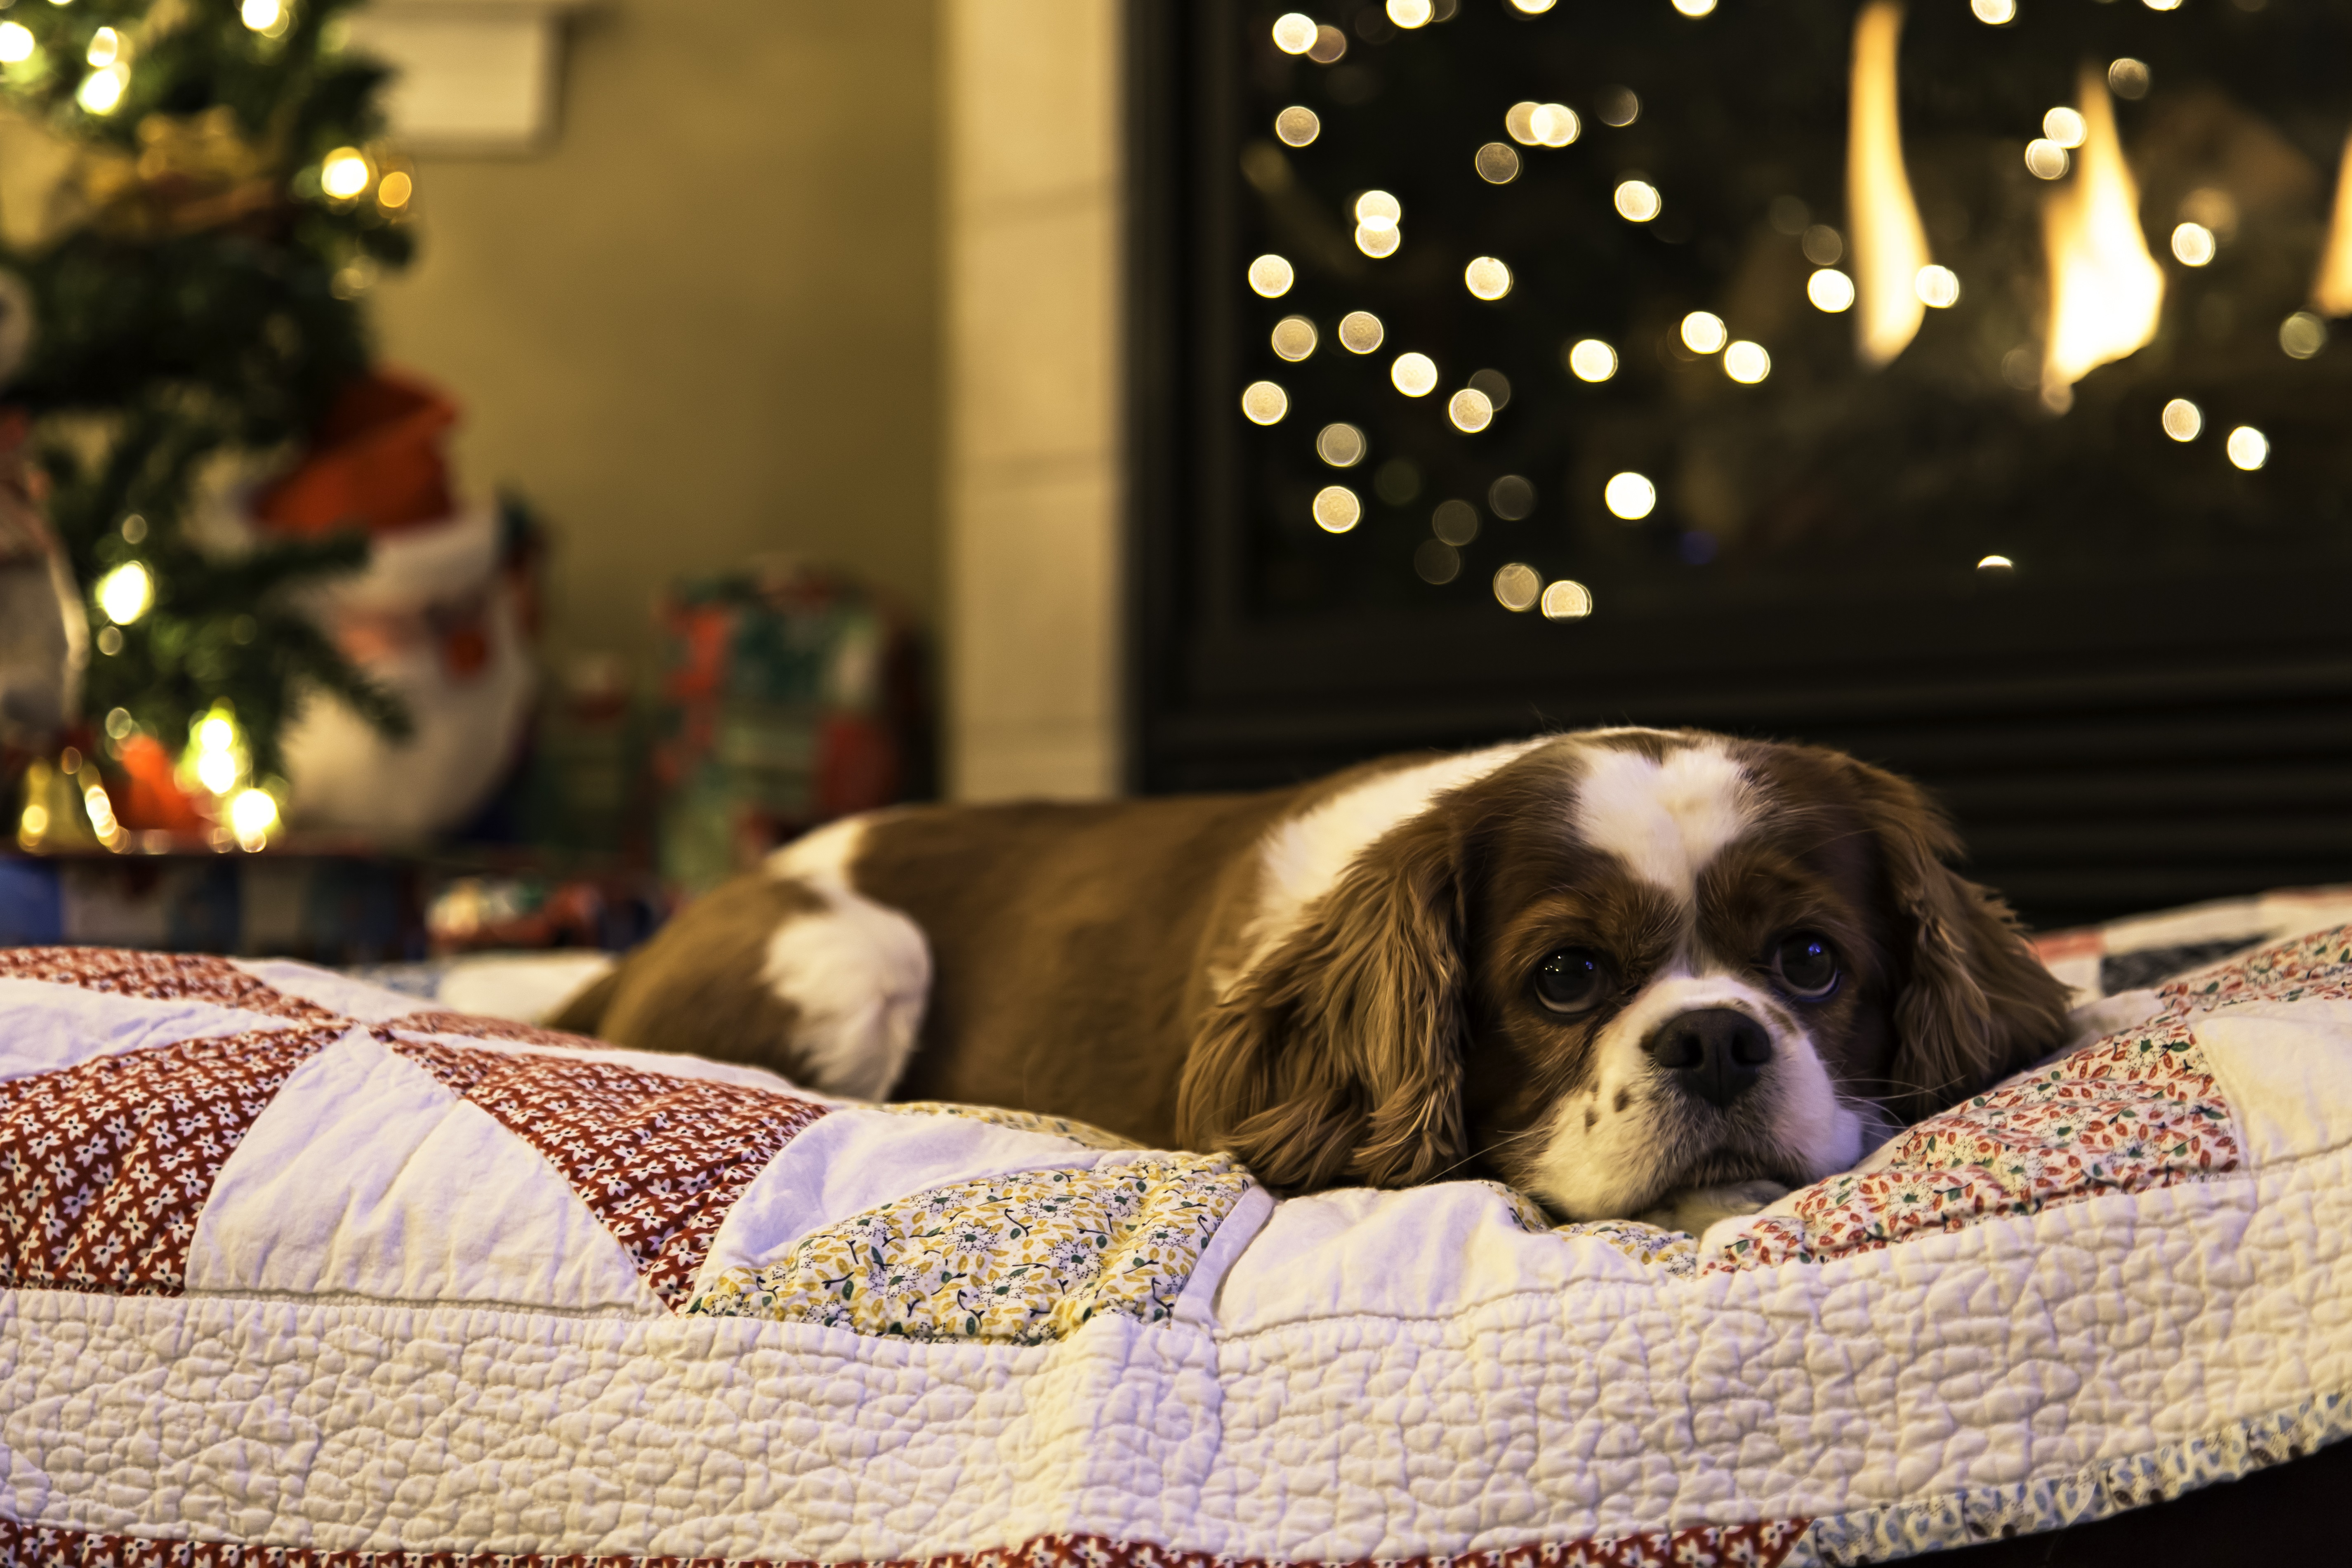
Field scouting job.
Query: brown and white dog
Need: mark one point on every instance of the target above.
(1631, 972)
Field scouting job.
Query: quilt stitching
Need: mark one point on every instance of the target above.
(104, 1166)
(659, 1160)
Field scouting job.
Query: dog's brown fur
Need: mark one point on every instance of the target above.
(1077, 952)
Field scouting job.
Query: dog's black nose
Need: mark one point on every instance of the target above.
(1714, 1053)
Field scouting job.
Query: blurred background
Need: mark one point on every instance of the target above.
(476, 472)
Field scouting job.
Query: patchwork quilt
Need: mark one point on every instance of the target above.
(296, 1269)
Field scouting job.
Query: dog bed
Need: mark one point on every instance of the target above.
(300, 1269)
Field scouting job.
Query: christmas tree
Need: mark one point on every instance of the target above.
(196, 195)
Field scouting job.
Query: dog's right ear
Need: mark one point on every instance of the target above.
(1338, 1057)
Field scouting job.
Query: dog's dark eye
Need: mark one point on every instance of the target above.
(1572, 980)
(1807, 965)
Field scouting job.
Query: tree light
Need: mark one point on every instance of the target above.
(261, 15)
(345, 174)
(126, 592)
(15, 43)
(251, 814)
(101, 91)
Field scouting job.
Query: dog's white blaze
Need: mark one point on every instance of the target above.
(1303, 858)
(858, 973)
(1617, 1163)
(1664, 819)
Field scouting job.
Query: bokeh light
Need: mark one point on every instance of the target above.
(1746, 362)
(101, 91)
(1589, 359)
(1630, 496)
(1329, 46)
(2193, 244)
(2127, 78)
(251, 814)
(1512, 498)
(1294, 34)
(1994, 13)
(1637, 201)
(2302, 335)
(1487, 278)
(1568, 599)
(1414, 374)
(1470, 410)
(1704, 333)
(1297, 126)
(1271, 277)
(15, 43)
(1996, 563)
(1497, 162)
(393, 190)
(2247, 448)
(1436, 563)
(1411, 14)
(1455, 521)
(1294, 338)
(1517, 586)
(1822, 245)
(1695, 7)
(126, 592)
(1830, 290)
(1342, 446)
(1937, 287)
(1618, 106)
(105, 47)
(1494, 384)
(2045, 159)
(263, 16)
(1263, 403)
(2064, 126)
(2183, 420)
(345, 174)
(1337, 509)
(1361, 331)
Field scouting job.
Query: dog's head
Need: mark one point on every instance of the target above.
(1621, 964)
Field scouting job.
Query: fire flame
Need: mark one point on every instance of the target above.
(2106, 290)
(2331, 291)
(1889, 243)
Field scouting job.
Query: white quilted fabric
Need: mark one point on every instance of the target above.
(410, 1319)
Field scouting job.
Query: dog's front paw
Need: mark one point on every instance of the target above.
(1695, 1208)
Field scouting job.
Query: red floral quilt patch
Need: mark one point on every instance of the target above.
(105, 1165)
(158, 977)
(659, 1159)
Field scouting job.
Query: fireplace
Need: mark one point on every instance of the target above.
(1960, 388)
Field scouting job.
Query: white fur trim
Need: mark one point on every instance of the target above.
(1664, 819)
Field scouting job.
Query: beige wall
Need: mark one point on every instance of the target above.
(705, 322)
(1031, 127)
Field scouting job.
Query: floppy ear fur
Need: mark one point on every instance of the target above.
(1972, 1004)
(1338, 1060)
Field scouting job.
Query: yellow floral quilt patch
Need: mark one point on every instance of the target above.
(1024, 1259)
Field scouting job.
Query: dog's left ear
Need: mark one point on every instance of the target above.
(1972, 1004)
(1338, 1058)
